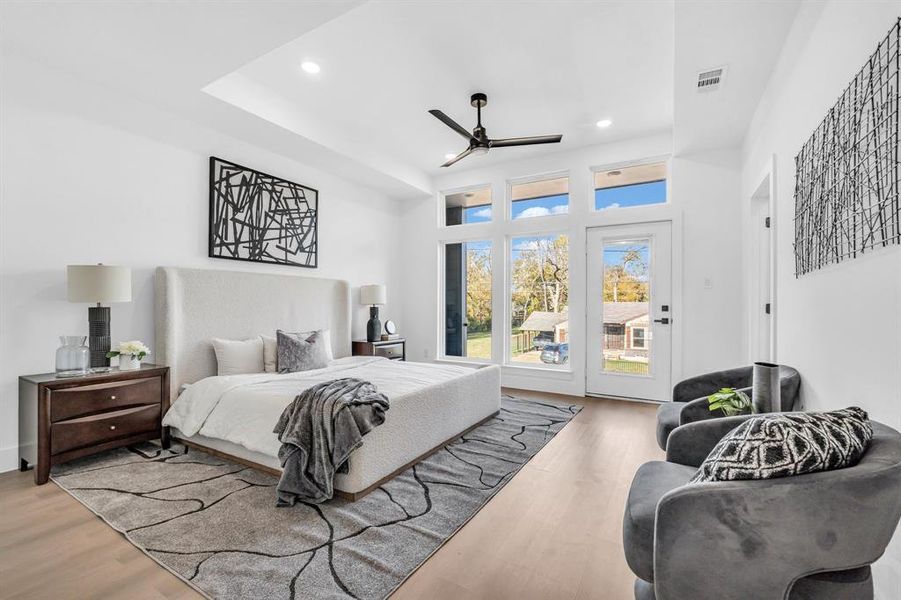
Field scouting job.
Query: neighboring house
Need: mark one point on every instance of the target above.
(626, 326)
(550, 322)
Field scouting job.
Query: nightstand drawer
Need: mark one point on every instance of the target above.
(101, 427)
(390, 350)
(83, 400)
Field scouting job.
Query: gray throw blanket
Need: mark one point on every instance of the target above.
(318, 432)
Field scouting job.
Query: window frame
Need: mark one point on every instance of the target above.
(508, 194)
(507, 332)
(665, 160)
(644, 333)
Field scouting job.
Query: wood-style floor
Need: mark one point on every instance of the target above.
(554, 532)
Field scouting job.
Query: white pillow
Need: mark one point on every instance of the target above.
(270, 353)
(270, 348)
(236, 357)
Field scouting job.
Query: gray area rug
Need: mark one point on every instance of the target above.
(215, 524)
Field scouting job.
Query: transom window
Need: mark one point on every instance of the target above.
(539, 198)
(640, 185)
(469, 206)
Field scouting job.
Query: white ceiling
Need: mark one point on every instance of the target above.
(746, 37)
(547, 67)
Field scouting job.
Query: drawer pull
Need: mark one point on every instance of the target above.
(112, 427)
(112, 397)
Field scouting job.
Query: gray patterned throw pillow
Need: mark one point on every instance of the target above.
(300, 352)
(785, 444)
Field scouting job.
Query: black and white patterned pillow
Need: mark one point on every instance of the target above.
(785, 444)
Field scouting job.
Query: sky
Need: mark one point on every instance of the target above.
(652, 192)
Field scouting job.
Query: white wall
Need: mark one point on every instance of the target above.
(841, 325)
(705, 211)
(91, 176)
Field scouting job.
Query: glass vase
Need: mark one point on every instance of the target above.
(73, 356)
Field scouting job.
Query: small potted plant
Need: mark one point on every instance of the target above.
(130, 354)
(731, 401)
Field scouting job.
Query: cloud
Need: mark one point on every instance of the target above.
(534, 211)
(541, 211)
(482, 213)
(613, 205)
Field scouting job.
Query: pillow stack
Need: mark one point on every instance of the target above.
(302, 351)
(785, 444)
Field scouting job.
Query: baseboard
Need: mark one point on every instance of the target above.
(9, 459)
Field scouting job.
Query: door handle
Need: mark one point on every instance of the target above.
(663, 321)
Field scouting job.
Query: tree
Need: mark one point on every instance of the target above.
(627, 281)
(540, 277)
(478, 289)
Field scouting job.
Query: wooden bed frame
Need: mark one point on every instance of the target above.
(351, 496)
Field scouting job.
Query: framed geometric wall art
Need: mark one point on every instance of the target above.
(847, 173)
(258, 217)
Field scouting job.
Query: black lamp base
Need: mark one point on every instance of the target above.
(374, 326)
(98, 335)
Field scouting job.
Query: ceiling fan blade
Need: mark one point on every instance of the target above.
(526, 141)
(450, 123)
(460, 156)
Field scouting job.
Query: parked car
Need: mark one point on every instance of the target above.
(542, 339)
(555, 354)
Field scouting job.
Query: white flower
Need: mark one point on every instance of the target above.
(134, 347)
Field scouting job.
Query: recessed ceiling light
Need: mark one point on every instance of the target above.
(614, 173)
(310, 67)
(449, 156)
(604, 123)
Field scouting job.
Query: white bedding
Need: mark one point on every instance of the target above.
(429, 404)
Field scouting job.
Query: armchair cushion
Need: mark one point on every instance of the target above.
(668, 415)
(651, 482)
(786, 444)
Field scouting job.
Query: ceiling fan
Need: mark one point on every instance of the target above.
(479, 142)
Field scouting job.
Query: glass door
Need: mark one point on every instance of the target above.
(629, 311)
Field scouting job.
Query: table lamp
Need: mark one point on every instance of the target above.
(98, 284)
(373, 295)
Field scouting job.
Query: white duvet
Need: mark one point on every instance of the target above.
(243, 409)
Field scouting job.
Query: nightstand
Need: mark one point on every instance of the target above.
(61, 419)
(391, 349)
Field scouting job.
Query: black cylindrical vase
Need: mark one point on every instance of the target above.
(766, 394)
(374, 326)
(98, 335)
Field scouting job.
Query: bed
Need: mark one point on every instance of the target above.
(233, 416)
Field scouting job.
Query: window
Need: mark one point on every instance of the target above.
(467, 300)
(638, 337)
(468, 206)
(539, 198)
(539, 269)
(630, 186)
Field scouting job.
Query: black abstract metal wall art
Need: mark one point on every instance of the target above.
(847, 173)
(261, 218)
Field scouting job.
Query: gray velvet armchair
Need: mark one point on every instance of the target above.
(690, 397)
(802, 538)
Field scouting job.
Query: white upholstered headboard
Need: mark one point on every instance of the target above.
(195, 305)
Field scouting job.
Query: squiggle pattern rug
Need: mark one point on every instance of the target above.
(215, 524)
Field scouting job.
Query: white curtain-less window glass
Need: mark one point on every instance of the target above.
(539, 198)
(470, 206)
(467, 300)
(630, 186)
(539, 268)
(627, 292)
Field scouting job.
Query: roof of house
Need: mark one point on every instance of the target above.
(543, 321)
(623, 312)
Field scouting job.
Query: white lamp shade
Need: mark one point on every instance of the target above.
(373, 294)
(99, 283)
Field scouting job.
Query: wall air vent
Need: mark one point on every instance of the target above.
(711, 79)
